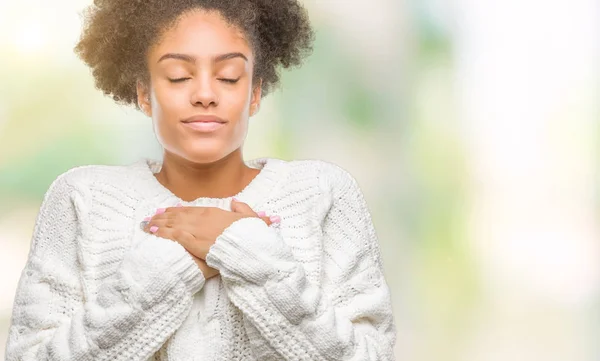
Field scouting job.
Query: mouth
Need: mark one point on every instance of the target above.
(204, 123)
(204, 119)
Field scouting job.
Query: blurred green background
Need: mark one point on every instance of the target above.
(470, 126)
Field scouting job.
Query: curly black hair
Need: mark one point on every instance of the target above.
(118, 34)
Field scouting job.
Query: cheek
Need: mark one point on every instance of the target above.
(164, 113)
(167, 109)
(168, 102)
(236, 108)
(238, 103)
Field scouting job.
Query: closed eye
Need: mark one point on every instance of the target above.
(231, 81)
(178, 80)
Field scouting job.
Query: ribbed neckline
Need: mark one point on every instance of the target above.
(253, 194)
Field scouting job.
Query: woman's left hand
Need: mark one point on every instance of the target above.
(197, 228)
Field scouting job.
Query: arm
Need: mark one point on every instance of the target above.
(348, 318)
(134, 312)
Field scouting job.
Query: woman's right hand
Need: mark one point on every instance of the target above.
(207, 271)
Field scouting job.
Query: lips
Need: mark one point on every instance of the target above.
(204, 119)
(204, 123)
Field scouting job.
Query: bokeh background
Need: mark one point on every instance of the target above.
(472, 127)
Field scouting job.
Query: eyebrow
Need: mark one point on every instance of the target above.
(192, 59)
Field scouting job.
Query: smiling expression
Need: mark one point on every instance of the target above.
(200, 92)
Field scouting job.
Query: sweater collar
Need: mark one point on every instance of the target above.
(254, 194)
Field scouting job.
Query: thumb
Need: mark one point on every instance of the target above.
(241, 207)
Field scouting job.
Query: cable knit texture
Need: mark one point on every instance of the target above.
(97, 287)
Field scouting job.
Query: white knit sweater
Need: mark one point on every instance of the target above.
(97, 287)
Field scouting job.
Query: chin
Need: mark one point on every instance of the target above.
(206, 154)
(205, 151)
(204, 157)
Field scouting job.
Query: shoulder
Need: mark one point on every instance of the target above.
(85, 175)
(330, 177)
(82, 179)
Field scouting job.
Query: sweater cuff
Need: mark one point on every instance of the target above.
(250, 251)
(159, 257)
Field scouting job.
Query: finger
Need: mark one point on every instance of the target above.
(241, 207)
(186, 239)
(181, 223)
(171, 210)
(267, 220)
(167, 213)
(176, 215)
(162, 222)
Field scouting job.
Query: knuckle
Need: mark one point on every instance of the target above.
(177, 234)
(183, 235)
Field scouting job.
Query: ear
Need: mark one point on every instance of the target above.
(143, 98)
(256, 97)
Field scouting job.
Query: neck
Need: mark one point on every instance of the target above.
(221, 179)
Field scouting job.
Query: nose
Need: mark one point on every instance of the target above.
(204, 93)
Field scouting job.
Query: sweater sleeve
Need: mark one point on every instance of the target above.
(134, 310)
(347, 317)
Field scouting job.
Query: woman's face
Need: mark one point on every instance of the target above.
(200, 71)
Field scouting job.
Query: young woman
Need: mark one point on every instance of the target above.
(201, 255)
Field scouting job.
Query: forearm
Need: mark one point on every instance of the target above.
(265, 282)
(132, 315)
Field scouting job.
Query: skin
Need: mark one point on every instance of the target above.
(197, 228)
(201, 66)
(201, 164)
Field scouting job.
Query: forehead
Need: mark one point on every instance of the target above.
(202, 34)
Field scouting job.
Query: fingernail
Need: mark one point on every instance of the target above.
(275, 219)
(261, 214)
(160, 210)
(179, 205)
(153, 229)
(147, 219)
